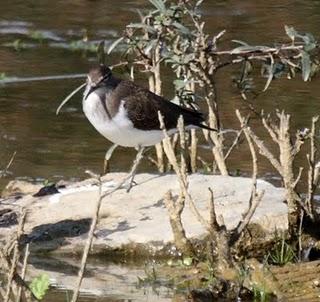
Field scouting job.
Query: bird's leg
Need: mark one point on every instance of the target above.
(107, 158)
(134, 167)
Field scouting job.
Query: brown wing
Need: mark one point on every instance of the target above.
(143, 106)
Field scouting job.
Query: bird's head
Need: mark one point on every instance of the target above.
(96, 76)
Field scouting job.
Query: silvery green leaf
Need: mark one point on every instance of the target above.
(305, 65)
(146, 27)
(114, 45)
(179, 84)
(140, 14)
(242, 49)
(241, 42)
(159, 5)
(307, 38)
(181, 27)
(291, 32)
(270, 77)
(150, 46)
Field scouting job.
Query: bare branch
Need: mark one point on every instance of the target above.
(94, 221)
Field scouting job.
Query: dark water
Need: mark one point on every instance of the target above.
(51, 147)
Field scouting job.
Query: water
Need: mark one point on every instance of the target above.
(51, 147)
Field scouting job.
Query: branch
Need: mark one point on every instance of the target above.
(89, 241)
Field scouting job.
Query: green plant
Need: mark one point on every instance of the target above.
(281, 254)
(185, 262)
(40, 285)
(153, 280)
(47, 183)
(18, 45)
(151, 276)
(3, 76)
(259, 293)
(36, 35)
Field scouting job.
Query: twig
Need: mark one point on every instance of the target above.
(263, 50)
(16, 254)
(14, 264)
(255, 196)
(298, 177)
(300, 233)
(89, 241)
(180, 173)
(23, 272)
(234, 144)
(193, 151)
(4, 172)
(175, 209)
(312, 171)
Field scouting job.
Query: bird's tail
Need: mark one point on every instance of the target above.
(206, 127)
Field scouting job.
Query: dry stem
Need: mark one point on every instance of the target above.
(255, 196)
(87, 247)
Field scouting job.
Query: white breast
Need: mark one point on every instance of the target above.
(119, 129)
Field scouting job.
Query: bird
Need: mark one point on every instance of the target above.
(126, 113)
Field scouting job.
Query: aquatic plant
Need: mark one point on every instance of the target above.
(40, 285)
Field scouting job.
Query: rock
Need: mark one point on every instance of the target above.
(139, 218)
(20, 187)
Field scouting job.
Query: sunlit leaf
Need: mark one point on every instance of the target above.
(40, 285)
(187, 261)
(305, 65)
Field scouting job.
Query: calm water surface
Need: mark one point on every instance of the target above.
(51, 147)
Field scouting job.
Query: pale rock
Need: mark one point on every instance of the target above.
(139, 218)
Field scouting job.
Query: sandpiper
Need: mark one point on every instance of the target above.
(127, 114)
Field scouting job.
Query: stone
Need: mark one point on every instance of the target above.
(20, 187)
(139, 218)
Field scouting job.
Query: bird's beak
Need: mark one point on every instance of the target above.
(88, 90)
